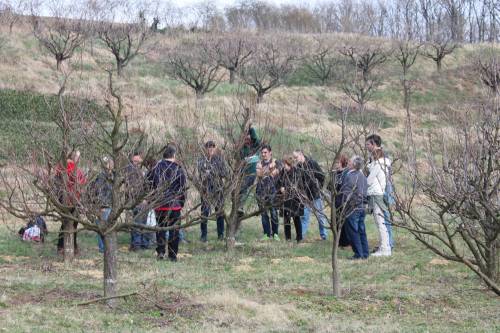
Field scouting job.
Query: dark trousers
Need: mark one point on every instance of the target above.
(60, 238)
(356, 232)
(205, 211)
(168, 218)
(139, 238)
(270, 224)
(288, 227)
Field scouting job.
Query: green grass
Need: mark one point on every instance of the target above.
(259, 287)
(371, 117)
(28, 118)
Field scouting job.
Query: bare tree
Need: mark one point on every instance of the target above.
(192, 63)
(406, 54)
(457, 183)
(365, 56)
(438, 49)
(60, 35)
(232, 51)
(321, 62)
(11, 12)
(488, 67)
(124, 40)
(269, 66)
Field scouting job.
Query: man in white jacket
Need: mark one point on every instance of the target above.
(378, 173)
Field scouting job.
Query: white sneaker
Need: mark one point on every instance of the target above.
(381, 254)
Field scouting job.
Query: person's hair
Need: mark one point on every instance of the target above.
(343, 160)
(134, 153)
(357, 162)
(266, 146)
(210, 144)
(378, 153)
(289, 160)
(375, 139)
(169, 151)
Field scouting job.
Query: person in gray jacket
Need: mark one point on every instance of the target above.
(353, 191)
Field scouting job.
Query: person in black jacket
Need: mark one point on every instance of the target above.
(291, 189)
(168, 179)
(314, 179)
(211, 172)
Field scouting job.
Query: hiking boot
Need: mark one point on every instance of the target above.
(276, 237)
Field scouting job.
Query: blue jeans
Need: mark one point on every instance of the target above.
(388, 225)
(270, 227)
(205, 211)
(104, 217)
(356, 231)
(320, 216)
(140, 238)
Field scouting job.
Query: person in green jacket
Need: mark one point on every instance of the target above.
(250, 154)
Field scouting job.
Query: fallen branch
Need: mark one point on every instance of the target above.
(95, 300)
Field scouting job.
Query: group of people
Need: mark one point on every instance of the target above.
(291, 187)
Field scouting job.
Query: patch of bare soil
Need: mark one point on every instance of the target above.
(160, 308)
(49, 296)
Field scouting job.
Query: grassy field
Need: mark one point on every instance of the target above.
(260, 287)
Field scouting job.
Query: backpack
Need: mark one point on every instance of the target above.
(35, 230)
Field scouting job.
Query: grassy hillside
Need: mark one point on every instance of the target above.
(262, 286)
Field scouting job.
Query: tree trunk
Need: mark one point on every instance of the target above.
(232, 76)
(493, 260)
(119, 68)
(110, 267)
(199, 93)
(439, 64)
(260, 97)
(69, 241)
(232, 229)
(337, 292)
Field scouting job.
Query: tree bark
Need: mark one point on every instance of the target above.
(232, 76)
(69, 241)
(337, 292)
(110, 268)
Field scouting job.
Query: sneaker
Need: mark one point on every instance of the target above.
(265, 238)
(160, 256)
(276, 237)
(381, 254)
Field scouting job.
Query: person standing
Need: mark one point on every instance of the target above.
(101, 195)
(250, 157)
(338, 176)
(353, 189)
(313, 183)
(377, 178)
(291, 189)
(374, 145)
(267, 173)
(69, 181)
(134, 187)
(212, 171)
(168, 179)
